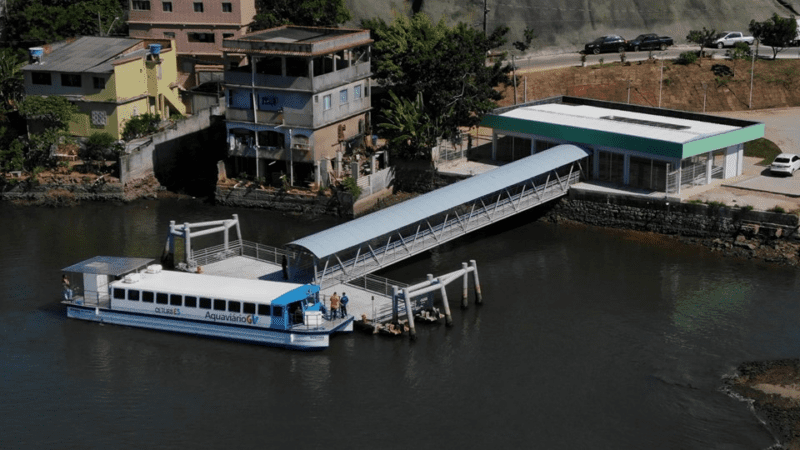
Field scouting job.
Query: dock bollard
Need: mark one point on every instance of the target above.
(478, 296)
(410, 313)
(465, 286)
(448, 319)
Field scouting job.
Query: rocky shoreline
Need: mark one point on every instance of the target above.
(774, 389)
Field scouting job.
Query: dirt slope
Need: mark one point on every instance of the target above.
(564, 25)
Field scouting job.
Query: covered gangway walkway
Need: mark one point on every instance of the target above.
(372, 242)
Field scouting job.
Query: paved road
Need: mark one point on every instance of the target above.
(571, 59)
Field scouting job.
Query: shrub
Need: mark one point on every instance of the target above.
(777, 209)
(351, 186)
(741, 51)
(747, 207)
(141, 126)
(687, 58)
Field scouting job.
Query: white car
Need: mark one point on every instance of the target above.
(785, 163)
(730, 39)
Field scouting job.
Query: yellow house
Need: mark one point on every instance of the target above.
(109, 79)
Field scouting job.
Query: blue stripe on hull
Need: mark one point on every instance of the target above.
(255, 335)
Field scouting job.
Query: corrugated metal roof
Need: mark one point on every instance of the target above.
(353, 233)
(92, 54)
(108, 265)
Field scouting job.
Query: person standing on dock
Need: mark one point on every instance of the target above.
(343, 306)
(285, 267)
(334, 306)
(67, 290)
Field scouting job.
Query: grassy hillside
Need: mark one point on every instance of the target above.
(565, 25)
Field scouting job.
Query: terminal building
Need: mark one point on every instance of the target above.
(631, 145)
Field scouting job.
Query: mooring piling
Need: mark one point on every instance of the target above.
(448, 318)
(430, 294)
(410, 314)
(465, 286)
(478, 296)
(394, 305)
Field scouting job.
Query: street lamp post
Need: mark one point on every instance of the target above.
(752, 72)
(705, 88)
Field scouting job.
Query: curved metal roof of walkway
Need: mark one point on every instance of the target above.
(379, 223)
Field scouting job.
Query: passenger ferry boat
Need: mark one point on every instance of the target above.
(137, 293)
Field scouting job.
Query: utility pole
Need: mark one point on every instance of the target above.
(485, 13)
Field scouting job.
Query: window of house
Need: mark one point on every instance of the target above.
(41, 78)
(201, 37)
(166, 6)
(198, 6)
(343, 97)
(227, 7)
(70, 80)
(99, 82)
(326, 102)
(356, 92)
(169, 35)
(140, 5)
(99, 118)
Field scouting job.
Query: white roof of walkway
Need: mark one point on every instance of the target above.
(385, 221)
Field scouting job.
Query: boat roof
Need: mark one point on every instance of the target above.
(214, 286)
(109, 265)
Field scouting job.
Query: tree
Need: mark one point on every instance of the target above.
(525, 44)
(11, 82)
(447, 66)
(318, 13)
(32, 21)
(777, 32)
(100, 147)
(54, 113)
(409, 130)
(701, 37)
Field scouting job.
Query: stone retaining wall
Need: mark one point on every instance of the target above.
(313, 204)
(660, 215)
(62, 194)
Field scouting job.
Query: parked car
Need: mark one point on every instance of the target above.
(730, 38)
(785, 163)
(610, 43)
(650, 41)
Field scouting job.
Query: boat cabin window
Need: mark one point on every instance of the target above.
(205, 303)
(277, 311)
(190, 301)
(175, 299)
(161, 298)
(234, 307)
(263, 310)
(119, 293)
(249, 308)
(219, 305)
(133, 296)
(147, 296)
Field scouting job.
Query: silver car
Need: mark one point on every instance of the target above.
(785, 163)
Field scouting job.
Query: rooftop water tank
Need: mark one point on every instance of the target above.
(154, 48)
(36, 54)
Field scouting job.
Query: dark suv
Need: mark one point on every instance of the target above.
(610, 43)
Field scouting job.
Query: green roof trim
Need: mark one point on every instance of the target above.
(711, 143)
(655, 147)
(584, 136)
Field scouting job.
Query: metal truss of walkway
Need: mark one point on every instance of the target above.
(380, 239)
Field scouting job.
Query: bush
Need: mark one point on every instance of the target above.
(141, 126)
(777, 209)
(741, 51)
(687, 58)
(351, 186)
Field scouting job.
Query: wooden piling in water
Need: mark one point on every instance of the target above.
(448, 318)
(464, 287)
(478, 296)
(410, 314)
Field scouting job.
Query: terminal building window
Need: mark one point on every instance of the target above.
(648, 174)
(612, 167)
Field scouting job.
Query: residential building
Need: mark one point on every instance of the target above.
(109, 79)
(636, 146)
(198, 28)
(300, 96)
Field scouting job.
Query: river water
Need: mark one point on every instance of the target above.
(587, 338)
